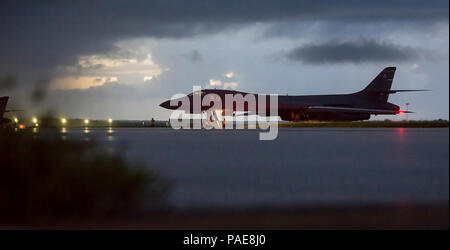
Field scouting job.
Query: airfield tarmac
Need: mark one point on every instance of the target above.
(303, 166)
(306, 178)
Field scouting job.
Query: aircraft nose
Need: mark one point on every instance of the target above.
(165, 104)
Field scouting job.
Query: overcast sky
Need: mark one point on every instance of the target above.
(120, 59)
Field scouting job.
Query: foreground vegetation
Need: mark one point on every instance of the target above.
(50, 179)
(369, 124)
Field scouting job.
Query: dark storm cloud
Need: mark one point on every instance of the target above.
(39, 35)
(195, 56)
(351, 52)
(7, 82)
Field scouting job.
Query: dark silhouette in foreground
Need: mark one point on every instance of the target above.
(49, 179)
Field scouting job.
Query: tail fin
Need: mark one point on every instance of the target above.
(3, 102)
(381, 85)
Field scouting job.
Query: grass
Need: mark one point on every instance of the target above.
(369, 124)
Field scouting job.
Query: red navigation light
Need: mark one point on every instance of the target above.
(400, 112)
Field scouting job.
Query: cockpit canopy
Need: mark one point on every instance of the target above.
(199, 92)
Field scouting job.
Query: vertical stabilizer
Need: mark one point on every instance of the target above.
(3, 102)
(380, 86)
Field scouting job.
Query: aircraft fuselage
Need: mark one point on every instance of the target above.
(372, 100)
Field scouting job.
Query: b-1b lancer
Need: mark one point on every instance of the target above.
(372, 100)
(3, 102)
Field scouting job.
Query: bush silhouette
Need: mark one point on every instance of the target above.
(52, 179)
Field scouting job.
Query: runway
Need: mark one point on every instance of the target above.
(302, 167)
